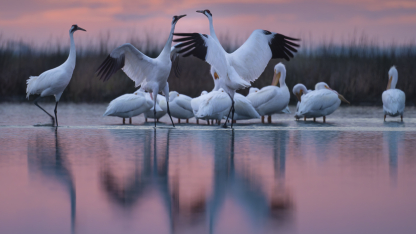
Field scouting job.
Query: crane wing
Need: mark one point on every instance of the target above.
(134, 63)
(174, 57)
(205, 48)
(252, 57)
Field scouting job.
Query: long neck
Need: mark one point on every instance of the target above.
(72, 52)
(166, 50)
(211, 29)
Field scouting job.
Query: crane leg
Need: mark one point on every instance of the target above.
(207, 121)
(262, 119)
(124, 121)
(56, 111)
(324, 119)
(197, 121)
(314, 119)
(219, 122)
(232, 116)
(145, 119)
(212, 122)
(36, 103)
(169, 114)
(304, 118)
(179, 120)
(130, 121)
(385, 118)
(269, 119)
(154, 112)
(166, 93)
(187, 120)
(401, 116)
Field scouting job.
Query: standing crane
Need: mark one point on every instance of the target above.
(151, 74)
(54, 81)
(236, 70)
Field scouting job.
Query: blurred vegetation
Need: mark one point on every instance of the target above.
(357, 69)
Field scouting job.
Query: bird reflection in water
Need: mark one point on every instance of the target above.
(273, 206)
(47, 157)
(246, 189)
(148, 173)
(281, 201)
(152, 174)
(392, 139)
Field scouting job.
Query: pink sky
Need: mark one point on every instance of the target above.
(40, 20)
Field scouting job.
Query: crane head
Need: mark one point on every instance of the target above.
(206, 12)
(176, 18)
(75, 28)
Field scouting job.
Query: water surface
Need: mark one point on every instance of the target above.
(355, 174)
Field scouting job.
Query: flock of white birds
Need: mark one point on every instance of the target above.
(230, 72)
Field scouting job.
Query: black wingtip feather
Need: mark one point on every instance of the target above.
(291, 38)
(102, 64)
(110, 66)
(282, 46)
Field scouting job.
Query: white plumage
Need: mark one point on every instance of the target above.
(236, 70)
(321, 102)
(195, 102)
(159, 111)
(272, 99)
(54, 81)
(150, 74)
(129, 105)
(243, 108)
(180, 106)
(299, 90)
(214, 105)
(393, 99)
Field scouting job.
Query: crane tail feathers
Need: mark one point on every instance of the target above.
(30, 84)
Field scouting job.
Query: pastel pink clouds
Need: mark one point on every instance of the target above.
(40, 20)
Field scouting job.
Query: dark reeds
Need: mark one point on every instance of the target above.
(357, 69)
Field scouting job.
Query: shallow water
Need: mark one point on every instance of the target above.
(354, 174)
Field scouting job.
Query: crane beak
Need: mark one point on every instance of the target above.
(181, 16)
(389, 84)
(343, 99)
(79, 28)
(276, 78)
(200, 12)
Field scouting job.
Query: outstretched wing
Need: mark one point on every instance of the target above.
(205, 48)
(174, 57)
(252, 57)
(134, 63)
